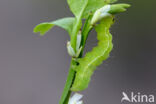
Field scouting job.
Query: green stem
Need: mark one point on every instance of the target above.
(66, 92)
(67, 98)
(87, 28)
(71, 75)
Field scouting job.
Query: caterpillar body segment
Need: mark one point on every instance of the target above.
(92, 59)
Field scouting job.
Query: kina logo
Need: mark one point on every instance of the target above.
(137, 98)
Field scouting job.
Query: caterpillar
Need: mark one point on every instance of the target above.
(92, 59)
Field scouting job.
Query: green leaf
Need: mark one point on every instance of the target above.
(113, 1)
(108, 10)
(65, 23)
(77, 6)
(82, 8)
(118, 8)
(92, 6)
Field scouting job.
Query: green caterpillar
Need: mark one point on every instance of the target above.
(92, 59)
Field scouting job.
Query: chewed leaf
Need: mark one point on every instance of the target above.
(65, 23)
(43, 28)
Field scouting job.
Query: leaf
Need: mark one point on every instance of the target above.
(82, 8)
(118, 8)
(65, 23)
(77, 7)
(108, 10)
(92, 6)
(113, 1)
(92, 59)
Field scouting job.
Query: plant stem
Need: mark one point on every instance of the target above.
(87, 28)
(66, 92)
(71, 75)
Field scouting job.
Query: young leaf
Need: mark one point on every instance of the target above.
(77, 7)
(82, 8)
(118, 8)
(65, 23)
(92, 6)
(108, 10)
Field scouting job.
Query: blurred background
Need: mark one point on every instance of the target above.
(33, 69)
